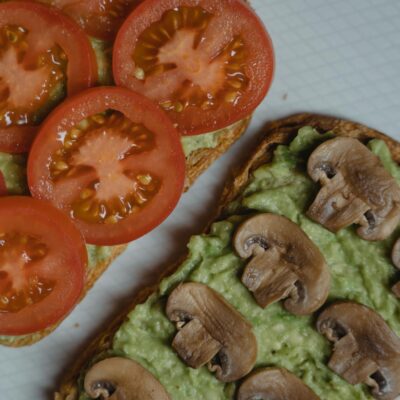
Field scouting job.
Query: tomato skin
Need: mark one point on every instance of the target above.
(82, 64)
(17, 139)
(97, 17)
(40, 219)
(3, 187)
(138, 109)
(196, 121)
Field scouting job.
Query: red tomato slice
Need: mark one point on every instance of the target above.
(3, 187)
(208, 63)
(42, 265)
(99, 18)
(43, 54)
(112, 160)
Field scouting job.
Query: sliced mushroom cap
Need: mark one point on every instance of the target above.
(211, 332)
(366, 350)
(274, 384)
(356, 189)
(122, 379)
(396, 262)
(285, 264)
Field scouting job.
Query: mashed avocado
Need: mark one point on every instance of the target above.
(205, 141)
(361, 271)
(103, 51)
(13, 168)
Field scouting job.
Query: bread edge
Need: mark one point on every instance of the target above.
(277, 132)
(197, 162)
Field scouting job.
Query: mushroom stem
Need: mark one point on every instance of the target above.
(366, 350)
(284, 264)
(356, 189)
(214, 333)
(195, 345)
(270, 278)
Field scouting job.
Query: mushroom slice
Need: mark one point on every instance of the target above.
(396, 262)
(211, 332)
(396, 289)
(356, 189)
(285, 264)
(366, 350)
(122, 379)
(274, 384)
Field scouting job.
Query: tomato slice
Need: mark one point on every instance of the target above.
(3, 187)
(208, 63)
(44, 55)
(112, 160)
(42, 265)
(99, 18)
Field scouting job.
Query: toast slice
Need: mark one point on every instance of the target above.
(275, 133)
(197, 161)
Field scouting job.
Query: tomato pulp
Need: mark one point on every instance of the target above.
(111, 160)
(42, 265)
(44, 56)
(208, 63)
(99, 18)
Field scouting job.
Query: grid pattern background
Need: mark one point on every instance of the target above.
(338, 57)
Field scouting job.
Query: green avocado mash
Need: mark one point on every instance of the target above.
(13, 168)
(205, 141)
(361, 271)
(103, 51)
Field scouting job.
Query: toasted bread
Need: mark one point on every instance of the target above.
(196, 163)
(275, 133)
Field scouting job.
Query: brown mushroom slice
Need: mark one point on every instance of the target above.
(285, 264)
(211, 332)
(396, 289)
(396, 262)
(119, 378)
(274, 384)
(356, 189)
(366, 350)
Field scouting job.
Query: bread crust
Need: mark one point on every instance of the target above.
(197, 162)
(277, 132)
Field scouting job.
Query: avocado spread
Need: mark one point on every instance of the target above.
(206, 141)
(361, 271)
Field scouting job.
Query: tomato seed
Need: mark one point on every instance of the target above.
(148, 60)
(25, 109)
(75, 158)
(19, 251)
(139, 74)
(99, 119)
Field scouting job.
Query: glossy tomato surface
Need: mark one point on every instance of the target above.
(3, 187)
(208, 63)
(44, 56)
(99, 18)
(112, 161)
(42, 265)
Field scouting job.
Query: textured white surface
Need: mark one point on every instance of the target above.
(338, 57)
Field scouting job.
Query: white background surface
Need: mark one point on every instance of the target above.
(339, 57)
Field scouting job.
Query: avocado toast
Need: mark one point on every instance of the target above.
(200, 152)
(273, 180)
